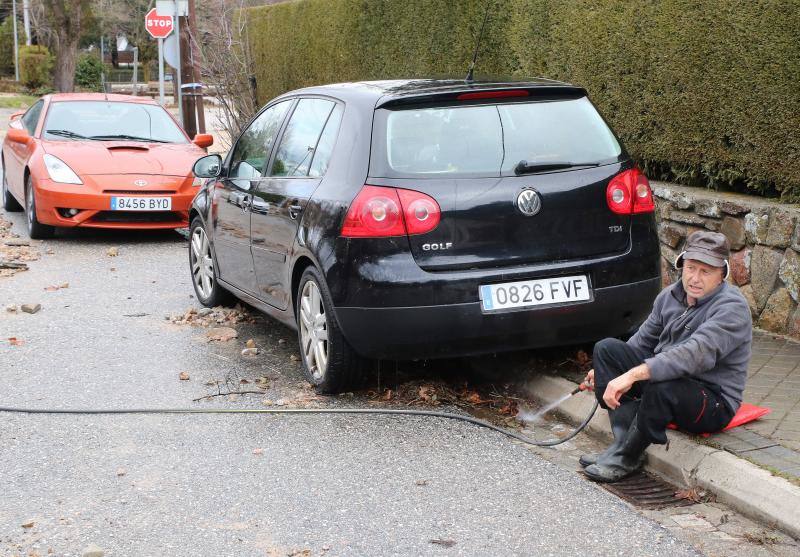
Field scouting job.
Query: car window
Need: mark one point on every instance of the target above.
(252, 151)
(322, 154)
(299, 140)
(31, 117)
(489, 140)
(111, 120)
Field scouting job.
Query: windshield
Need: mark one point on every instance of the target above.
(492, 140)
(124, 121)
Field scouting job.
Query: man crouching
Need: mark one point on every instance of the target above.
(687, 363)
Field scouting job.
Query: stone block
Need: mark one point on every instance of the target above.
(740, 267)
(756, 225)
(764, 265)
(781, 228)
(712, 224)
(671, 234)
(747, 292)
(663, 209)
(707, 208)
(686, 217)
(789, 273)
(794, 323)
(733, 229)
(732, 207)
(779, 308)
(669, 254)
(678, 198)
(796, 238)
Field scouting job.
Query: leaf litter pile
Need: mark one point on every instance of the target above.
(15, 253)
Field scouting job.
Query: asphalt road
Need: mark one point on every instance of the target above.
(244, 485)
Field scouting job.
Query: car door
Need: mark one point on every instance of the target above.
(298, 165)
(18, 154)
(233, 194)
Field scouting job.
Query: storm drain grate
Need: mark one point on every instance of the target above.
(647, 492)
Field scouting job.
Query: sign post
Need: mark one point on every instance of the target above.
(159, 26)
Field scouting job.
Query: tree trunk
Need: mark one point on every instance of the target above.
(67, 16)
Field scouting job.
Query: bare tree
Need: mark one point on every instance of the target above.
(58, 24)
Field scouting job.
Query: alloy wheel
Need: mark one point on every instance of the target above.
(313, 330)
(202, 262)
(30, 206)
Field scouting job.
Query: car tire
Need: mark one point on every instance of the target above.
(329, 362)
(203, 268)
(36, 230)
(9, 203)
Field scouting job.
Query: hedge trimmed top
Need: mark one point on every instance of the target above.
(703, 93)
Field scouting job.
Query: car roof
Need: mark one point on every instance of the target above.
(63, 97)
(387, 91)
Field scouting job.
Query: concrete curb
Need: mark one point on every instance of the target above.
(744, 486)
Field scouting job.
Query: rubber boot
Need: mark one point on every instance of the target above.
(625, 461)
(620, 419)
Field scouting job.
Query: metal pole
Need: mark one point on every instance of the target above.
(16, 41)
(135, 69)
(195, 50)
(161, 71)
(26, 18)
(180, 65)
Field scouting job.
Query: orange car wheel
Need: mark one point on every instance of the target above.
(36, 230)
(9, 203)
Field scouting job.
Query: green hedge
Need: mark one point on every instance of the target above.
(703, 93)
(35, 65)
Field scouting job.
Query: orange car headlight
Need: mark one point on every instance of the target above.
(59, 171)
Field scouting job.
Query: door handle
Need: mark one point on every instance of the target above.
(294, 211)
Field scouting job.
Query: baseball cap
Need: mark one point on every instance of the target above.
(711, 248)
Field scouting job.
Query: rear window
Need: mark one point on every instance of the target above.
(490, 140)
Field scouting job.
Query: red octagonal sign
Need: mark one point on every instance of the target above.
(159, 26)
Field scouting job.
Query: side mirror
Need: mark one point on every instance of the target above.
(203, 140)
(207, 167)
(16, 115)
(18, 136)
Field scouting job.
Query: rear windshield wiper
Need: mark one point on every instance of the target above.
(66, 133)
(525, 167)
(128, 137)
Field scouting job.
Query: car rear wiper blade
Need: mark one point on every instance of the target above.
(525, 167)
(66, 133)
(128, 137)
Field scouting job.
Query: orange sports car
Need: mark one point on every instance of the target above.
(101, 161)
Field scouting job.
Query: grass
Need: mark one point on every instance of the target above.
(16, 101)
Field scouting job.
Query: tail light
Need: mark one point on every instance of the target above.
(629, 193)
(379, 211)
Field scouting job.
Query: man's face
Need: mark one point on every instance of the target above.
(700, 278)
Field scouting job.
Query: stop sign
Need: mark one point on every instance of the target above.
(159, 26)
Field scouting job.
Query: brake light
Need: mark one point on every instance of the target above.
(629, 193)
(379, 211)
(493, 94)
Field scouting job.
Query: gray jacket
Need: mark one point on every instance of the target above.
(710, 341)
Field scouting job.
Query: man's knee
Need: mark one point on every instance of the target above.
(605, 347)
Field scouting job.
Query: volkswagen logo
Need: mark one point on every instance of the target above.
(140, 183)
(529, 202)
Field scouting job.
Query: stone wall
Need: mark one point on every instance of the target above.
(765, 246)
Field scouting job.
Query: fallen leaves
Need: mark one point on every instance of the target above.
(221, 334)
(14, 341)
(693, 494)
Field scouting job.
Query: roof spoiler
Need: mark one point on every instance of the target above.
(481, 94)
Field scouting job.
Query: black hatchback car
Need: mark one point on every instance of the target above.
(427, 218)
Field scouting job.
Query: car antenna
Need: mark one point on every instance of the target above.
(469, 78)
(103, 84)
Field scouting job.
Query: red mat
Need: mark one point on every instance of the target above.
(746, 413)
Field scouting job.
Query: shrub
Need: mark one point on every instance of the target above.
(89, 72)
(35, 67)
(703, 93)
(7, 47)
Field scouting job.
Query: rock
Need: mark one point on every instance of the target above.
(712, 224)
(781, 228)
(15, 242)
(764, 265)
(775, 316)
(747, 292)
(671, 234)
(740, 267)
(280, 402)
(707, 208)
(92, 551)
(734, 230)
(31, 308)
(794, 322)
(294, 358)
(679, 199)
(796, 239)
(249, 351)
(183, 376)
(121, 472)
(789, 273)
(732, 207)
(205, 311)
(222, 334)
(29, 524)
(756, 225)
(281, 341)
(12, 308)
(250, 343)
(663, 210)
(258, 452)
(113, 252)
(686, 217)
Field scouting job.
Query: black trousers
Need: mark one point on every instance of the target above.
(692, 405)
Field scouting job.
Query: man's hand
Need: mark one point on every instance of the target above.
(622, 384)
(588, 381)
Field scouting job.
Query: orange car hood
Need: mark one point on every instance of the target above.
(125, 157)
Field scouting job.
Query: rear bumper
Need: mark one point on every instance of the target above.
(95, 208)
(462, 329)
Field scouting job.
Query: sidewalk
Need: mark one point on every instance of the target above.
(754, 468)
